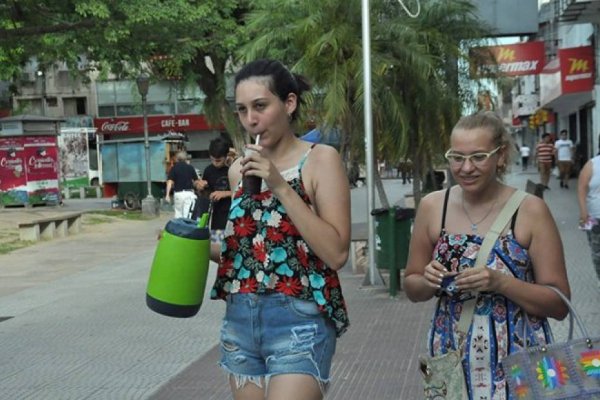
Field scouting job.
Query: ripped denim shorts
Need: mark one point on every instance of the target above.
(272, 334)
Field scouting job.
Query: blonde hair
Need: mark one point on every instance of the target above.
(500, 136)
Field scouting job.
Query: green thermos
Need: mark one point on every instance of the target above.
(179, 269)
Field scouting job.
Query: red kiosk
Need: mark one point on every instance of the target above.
(29, 166)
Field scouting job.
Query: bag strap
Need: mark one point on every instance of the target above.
(513, 203)
(573, 316)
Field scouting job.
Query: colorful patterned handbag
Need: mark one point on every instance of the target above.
(569, 370)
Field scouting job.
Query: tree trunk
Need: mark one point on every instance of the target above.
(381, 191)
(416, 175)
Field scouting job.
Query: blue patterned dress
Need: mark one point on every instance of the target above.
(497, 328)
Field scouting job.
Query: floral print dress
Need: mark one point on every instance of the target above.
(498, 325)
(263, 252)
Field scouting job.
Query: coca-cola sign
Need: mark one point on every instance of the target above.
(159, 124)
(111, 127)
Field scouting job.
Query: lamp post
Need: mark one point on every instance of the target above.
(149, 203)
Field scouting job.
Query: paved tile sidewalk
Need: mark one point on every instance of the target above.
(377, 358)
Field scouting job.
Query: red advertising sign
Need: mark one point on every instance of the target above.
(12, 165)
(526, 58)
(156, 124)
(577, 69)
(41, 155)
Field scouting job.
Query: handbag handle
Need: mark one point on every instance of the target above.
(513, 203)
(572, 316)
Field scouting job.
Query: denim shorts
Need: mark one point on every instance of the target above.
(272, 334)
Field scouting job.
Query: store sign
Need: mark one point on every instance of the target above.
(571, 72)
(510, 60)
(577, 69)
(156, 124)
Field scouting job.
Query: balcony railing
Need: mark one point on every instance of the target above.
(577, 11)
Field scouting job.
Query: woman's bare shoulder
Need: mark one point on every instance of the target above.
(323, 152)
(434, 199)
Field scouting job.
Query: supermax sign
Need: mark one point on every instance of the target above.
(156, 124)
(511, 60)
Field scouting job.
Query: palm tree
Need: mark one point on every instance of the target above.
(416, 97)
(423, 79)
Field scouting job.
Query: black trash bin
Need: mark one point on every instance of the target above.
(392, 229)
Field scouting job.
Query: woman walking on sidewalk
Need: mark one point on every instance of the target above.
(588, 197)
(449, 228)
(281, 248)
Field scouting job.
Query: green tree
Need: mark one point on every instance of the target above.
(430, 56)
(172, 38)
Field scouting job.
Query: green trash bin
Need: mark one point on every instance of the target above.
(392, 237)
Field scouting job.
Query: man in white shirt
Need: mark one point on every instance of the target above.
(525, 152)
(563, 152)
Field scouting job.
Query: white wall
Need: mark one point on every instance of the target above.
(575, 35)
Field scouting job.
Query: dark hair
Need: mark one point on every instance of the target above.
(564, 131)
(545, 135)
(281, 82)
(218, 148)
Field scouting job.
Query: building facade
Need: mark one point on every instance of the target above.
(564, 95)
(114, 107)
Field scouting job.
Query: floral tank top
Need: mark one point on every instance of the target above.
(498, 326)
(262, 252)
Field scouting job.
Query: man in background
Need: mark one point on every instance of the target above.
(181, 179)
(524, 150)
(544, 152)
(564, 152)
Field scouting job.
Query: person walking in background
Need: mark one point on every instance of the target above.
(525, 151)
(181, 179)
(564, 158)
(215, 184)
(544, 153)
(282, 248)
(588, 196)
(404, 171)
(449, 228)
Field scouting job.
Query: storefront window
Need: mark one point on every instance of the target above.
(106, 94)
(120, 98)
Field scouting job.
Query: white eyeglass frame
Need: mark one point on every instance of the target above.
(452, 157)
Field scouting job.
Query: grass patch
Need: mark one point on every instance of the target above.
(8, 233)
(7, 247)
(91, 219)
(123, 214)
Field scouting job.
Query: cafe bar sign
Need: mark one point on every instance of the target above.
(156, 124)
(518, 59)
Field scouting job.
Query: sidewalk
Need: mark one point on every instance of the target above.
(73, 323)
(377, 357)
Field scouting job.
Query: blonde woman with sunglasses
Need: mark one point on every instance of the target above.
(449, 228)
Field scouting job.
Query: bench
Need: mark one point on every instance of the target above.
(50, 227)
